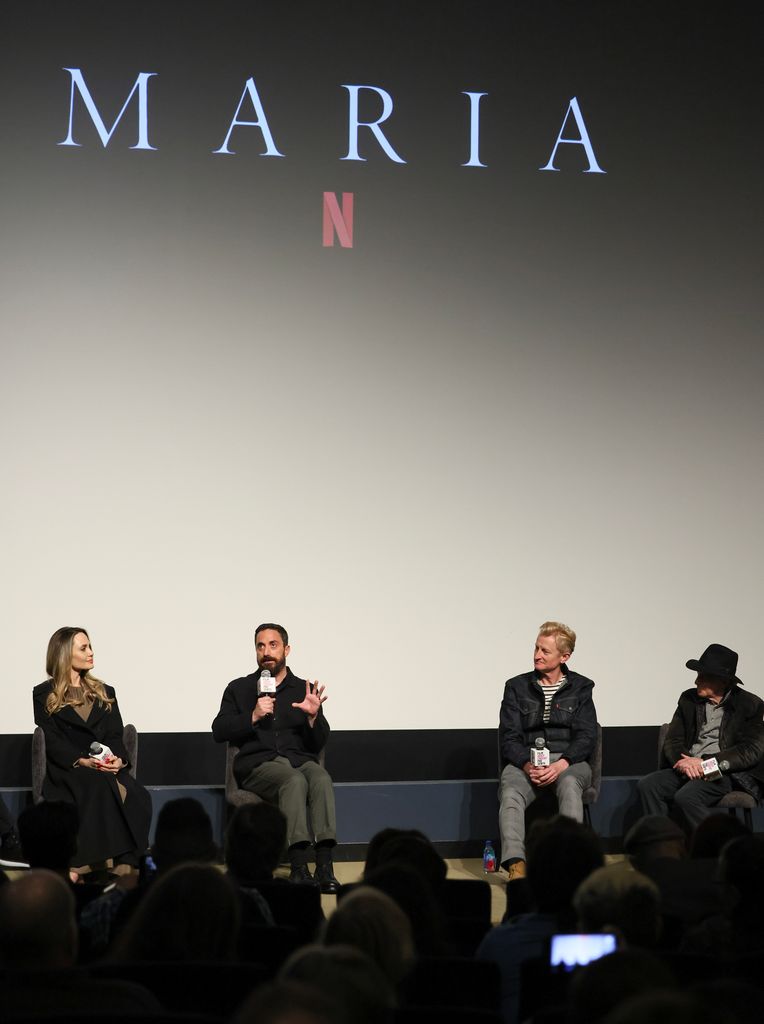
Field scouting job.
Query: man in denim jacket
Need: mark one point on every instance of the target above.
(556, 705)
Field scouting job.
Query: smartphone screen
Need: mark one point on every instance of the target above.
(146, 868)
(570, 951)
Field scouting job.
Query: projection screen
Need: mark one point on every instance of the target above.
(407, 325)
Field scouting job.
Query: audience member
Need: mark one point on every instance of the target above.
(255, 844)
(291, 1002)
(736, 929)
(37, 922)
(371, 921)
(712, 835)
(190, 913)
(654, 837)
(407, 846)
(657, 1005)
(604, 984)
(38, 950)
(366, 994)
(48, 834)
(412, 893)
(561, 854)
(728, 1000)
(183, 833)
(689, 889)
(616, 898)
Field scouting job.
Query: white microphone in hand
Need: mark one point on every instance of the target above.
(266, 685)
(100, 752)
(540, 753)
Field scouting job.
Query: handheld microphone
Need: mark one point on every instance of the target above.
(711, 769)
(540, 753)
(100, 751)
(266, 684)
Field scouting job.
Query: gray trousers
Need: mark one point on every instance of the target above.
(297, 790)
(516, 793)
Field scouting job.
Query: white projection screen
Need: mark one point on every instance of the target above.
(529, 389)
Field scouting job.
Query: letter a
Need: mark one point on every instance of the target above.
(250, 89)
(141, 84)
(582, 140)
(338, 221)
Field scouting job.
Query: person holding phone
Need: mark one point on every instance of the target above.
(76, 710)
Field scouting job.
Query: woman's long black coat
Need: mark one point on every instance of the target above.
(108, 827)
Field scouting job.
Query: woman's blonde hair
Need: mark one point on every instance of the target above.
(58, 665)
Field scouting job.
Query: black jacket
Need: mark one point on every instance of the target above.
(572, 727)
(741, 736)
(286, 733)
(108, 827)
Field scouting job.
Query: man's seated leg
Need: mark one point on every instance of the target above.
(515, 794)
(657, 790)
(279, 783)
(324, 821)
(570, 790)
(697, 798)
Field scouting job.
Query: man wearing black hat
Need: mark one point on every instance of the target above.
(714, 744)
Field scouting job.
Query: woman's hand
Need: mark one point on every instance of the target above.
(89, 762)
(113, 765)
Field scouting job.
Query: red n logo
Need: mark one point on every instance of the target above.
(336, 221)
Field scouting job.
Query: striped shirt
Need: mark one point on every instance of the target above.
(549, 692)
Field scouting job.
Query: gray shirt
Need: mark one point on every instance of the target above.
(707, 743)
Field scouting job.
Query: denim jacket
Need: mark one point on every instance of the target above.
(572, 726)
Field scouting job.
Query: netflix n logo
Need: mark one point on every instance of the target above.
(338, 221)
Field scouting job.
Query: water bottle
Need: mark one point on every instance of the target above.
(489, 857)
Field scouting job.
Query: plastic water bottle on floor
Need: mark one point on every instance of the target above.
(489, 857)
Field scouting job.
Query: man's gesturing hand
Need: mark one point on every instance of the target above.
(314, 698)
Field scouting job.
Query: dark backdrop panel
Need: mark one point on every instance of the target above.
(412, 755)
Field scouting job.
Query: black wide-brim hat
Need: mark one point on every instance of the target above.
(717, 661)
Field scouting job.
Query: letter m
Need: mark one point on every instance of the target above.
(336, 221)
(141, 86)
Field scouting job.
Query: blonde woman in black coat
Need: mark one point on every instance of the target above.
(75, 709)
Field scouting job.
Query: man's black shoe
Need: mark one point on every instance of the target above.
(300, 875)
(325, 878)
(11, 853)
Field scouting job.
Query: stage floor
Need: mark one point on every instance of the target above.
(351, 871)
